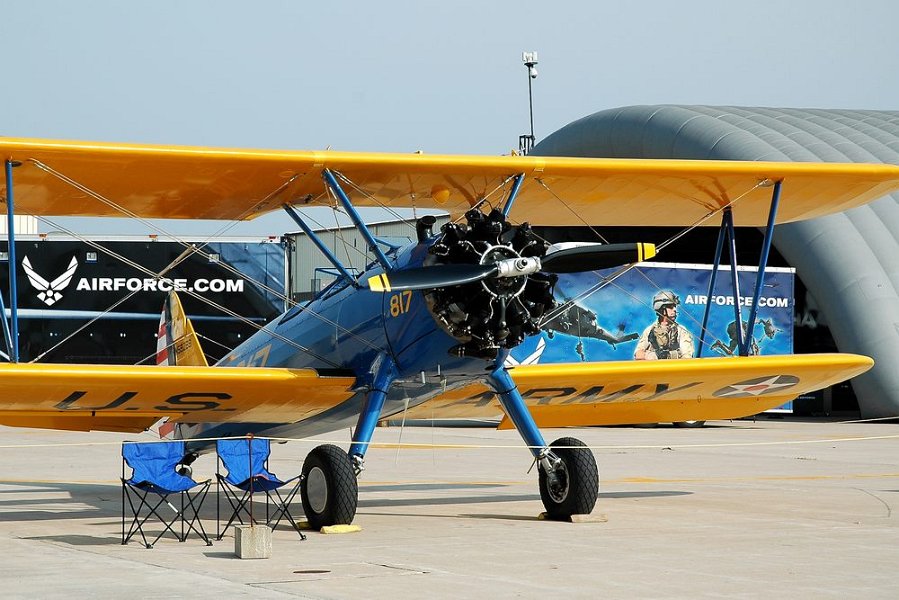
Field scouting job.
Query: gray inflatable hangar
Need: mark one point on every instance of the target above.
(849, 261)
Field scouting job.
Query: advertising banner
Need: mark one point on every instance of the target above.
(68, 287)
(607, 318)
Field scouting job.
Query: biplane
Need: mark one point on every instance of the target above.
(427, 327)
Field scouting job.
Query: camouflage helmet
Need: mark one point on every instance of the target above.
(664, 298)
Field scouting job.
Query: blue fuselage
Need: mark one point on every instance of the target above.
(345, 329)
(347, 326)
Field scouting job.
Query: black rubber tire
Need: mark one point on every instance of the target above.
(689, 424)
(578, 497)
(329, 491)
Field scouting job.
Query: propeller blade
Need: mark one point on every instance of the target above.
(567, 259)
(591, 257)
(426, 278)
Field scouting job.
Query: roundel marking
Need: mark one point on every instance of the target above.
(758, 386)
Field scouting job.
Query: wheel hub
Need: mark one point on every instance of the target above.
(317, 489)
(558, 483)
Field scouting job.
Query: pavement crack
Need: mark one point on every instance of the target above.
(879, 499)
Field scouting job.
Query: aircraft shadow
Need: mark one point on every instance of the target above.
(389, 502)
(400, 487)
(103, 502)
(78, 540)
(68, 501)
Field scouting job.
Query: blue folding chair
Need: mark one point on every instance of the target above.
(246, 463)
(153, 482)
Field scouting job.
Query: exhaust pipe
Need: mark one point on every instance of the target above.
(424, 227)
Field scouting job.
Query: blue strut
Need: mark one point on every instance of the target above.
(712, 278)
(382, 374)
(728, 219)
(357, 220)
(516, 187)
(318, 243)
(13, 290)
(763, 262)
(513, 404)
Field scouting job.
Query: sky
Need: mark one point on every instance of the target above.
(442, 77)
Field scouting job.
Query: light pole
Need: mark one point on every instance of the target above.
(526, 142)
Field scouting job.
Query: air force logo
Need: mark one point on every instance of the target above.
(48, 291)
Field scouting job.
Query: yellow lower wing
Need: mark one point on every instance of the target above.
(614, 393)
(131, 398)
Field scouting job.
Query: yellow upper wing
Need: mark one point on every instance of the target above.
(63, 178)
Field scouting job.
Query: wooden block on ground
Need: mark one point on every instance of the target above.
(591, 518)
(331, 529)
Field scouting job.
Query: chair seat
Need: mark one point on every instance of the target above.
(159, 489)
(259, 483)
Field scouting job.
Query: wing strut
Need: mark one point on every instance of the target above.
(13, 334)
(763, 262)
(743, 336)
(516, 186)
(319, 244)
(357, 220)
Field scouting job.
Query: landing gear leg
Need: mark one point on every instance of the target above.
(330, 492)
(383, 373)
(569, 477)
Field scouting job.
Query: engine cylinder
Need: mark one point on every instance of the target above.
(496, 313)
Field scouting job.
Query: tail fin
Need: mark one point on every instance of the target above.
(177, 342)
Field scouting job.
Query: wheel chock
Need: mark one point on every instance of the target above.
(332, 529)
(591, 518)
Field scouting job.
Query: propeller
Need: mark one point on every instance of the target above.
(560, 258)
(424, 278)
(576, 257)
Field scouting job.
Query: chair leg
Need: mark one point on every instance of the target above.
(238, 506)
(194, 503)
(137, 524)
(168, 524)
(282, 509)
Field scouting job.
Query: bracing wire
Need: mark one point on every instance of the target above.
(77, 185)
(155, 227)
(659, 247)
(193, 294)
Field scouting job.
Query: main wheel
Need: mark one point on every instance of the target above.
(689, 424)
(329, 490)
(577, 481)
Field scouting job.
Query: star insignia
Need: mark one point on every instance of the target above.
(757, 387)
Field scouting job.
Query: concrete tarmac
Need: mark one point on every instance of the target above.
(764, 509)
